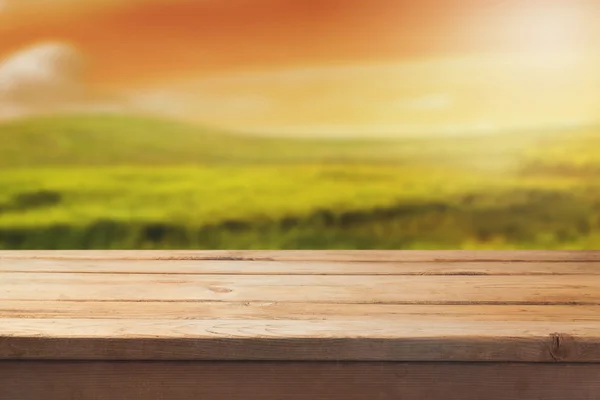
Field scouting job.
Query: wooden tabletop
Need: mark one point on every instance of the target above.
(521, 306)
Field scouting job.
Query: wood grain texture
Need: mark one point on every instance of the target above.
(293, 311)
(320, 289)
(225, 267)
(258, 306)
(313, 255)
(365, 339)
(296, 381)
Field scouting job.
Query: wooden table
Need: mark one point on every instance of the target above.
(299, 325)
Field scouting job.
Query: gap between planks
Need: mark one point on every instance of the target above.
(204, 267)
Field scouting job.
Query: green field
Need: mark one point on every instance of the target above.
(108, 182)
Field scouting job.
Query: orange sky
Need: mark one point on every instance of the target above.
(131, 40)
(337, 65)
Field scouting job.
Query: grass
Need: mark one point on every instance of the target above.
(108, 182)
(109, 140)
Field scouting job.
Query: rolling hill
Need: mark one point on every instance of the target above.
(113, 139)
(110, 181)
(132, 140)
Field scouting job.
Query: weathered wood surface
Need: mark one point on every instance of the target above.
(252, 267)
(296, 381)
(306, 306)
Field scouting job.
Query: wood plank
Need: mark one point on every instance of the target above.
(365, 339)
(224, 267)
(258, 306)
(296, 381)
(314, 255)
(324, 289)
(293, 311)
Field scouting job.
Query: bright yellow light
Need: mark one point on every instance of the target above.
(549, 29)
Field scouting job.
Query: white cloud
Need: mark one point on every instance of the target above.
(42, 77)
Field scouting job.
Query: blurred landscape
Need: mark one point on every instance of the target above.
(406, 151)
(124, 182)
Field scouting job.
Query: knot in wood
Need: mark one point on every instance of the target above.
(561, 347)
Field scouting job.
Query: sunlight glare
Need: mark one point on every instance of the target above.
(548, 29)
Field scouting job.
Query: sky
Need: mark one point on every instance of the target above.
(313, 66)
